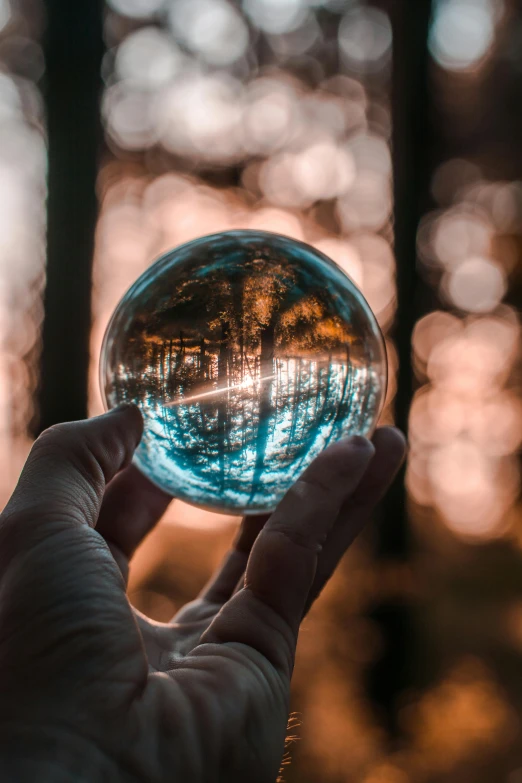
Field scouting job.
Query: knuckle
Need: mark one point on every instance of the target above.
(68, 442)
(54, 435)
(298, 538)
(309, 495)
(315, 483)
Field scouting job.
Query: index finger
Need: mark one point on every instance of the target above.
(131, 507)
(267, 612)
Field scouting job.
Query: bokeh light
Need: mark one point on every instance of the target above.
(276, 115)
(137, 9)
(148, 58)
(200, 115)
(477, 285)
(459, 233)
(462, 32)
(271, 115)
(212, 29)
(276, 16)
(365, 38)
(23, 163)
(465, 418)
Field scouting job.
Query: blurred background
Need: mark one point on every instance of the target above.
(386, 133)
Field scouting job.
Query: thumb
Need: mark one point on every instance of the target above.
(69, 467)
(64, 612)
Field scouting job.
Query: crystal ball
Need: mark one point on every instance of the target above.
(247, 353)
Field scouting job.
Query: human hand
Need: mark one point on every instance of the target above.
(94, 691)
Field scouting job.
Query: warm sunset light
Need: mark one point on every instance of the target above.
(386, 136)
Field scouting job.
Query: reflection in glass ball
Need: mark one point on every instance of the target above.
(247, 353)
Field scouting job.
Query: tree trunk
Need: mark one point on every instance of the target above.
(266, 373)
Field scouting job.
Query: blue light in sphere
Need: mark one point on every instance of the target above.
(247, 353)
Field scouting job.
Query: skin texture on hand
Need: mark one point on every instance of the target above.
(94, 691)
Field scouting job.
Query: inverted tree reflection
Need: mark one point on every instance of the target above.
(245, 372)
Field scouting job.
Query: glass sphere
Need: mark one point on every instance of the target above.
(247, 353)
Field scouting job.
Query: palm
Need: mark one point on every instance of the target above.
(228, 701)
(205, 697)
(237, 678)
(225, 706)
(166, 643)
